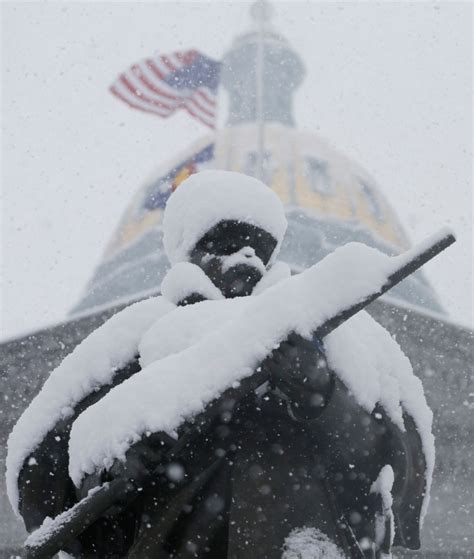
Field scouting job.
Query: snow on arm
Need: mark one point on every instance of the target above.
(89, 366)
(189, 324)
(185, 327)
(170, 391)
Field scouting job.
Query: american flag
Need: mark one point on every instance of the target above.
(166, 83)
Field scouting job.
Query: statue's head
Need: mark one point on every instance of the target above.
(234, 255)
(229, 224)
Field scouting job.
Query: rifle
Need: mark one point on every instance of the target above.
(55, 533)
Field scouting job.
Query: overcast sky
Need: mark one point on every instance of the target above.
(387, 84)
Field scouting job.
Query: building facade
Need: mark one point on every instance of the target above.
(329, 201)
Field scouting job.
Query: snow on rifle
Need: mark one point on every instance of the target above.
(172, 390)
(179, 386)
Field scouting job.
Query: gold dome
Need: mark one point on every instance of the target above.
(304, 170)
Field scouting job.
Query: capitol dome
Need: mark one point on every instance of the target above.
(329, 199)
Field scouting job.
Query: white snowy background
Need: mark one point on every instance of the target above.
(388, 84)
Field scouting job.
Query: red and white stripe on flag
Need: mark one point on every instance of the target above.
(149, 86)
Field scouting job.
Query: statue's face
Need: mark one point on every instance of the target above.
(234, 255)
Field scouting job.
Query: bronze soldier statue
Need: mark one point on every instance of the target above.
(291, 465)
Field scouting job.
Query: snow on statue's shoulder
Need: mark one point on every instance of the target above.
(373, 367)
(178, 383)
(184, 276)
(90, 365)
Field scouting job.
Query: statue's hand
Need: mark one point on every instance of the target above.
(299, 369)
(140, 461)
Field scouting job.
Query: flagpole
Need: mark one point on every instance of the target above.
(259, 11)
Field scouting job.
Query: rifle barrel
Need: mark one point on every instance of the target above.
(420, 258)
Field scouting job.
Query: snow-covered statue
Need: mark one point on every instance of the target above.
(330, 457)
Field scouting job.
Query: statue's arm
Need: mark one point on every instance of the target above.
(409, 464)
(45, 488)
(349, 433)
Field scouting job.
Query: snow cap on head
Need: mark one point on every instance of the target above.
(209, 197)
